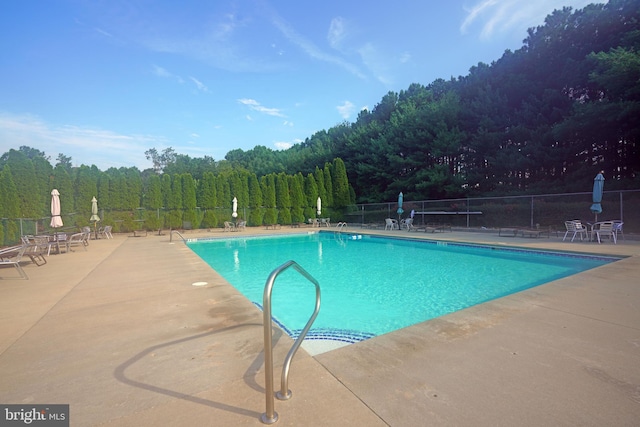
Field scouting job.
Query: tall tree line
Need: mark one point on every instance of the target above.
(155, 200)
(542, 119)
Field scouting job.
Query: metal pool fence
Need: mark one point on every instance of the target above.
(541, 210)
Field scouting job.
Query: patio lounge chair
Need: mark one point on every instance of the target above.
(36, 248)
(13, 256)
(59, 242)
(605, 229)
(241, 225)
(229, 226)
(390, 224)
(408, 224)
(77, 239)
(106, 231)
(576, 228)
(617, 227)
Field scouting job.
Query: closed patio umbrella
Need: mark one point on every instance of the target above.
(235, 208)
(598, 189)
(319, 207)
(400, 200)
(94, 215)
(56, 219)
(94, 210)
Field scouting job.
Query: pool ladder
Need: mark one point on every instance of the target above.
(178, 233)
(271, 416)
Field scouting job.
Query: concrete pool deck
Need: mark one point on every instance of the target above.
(121, 334)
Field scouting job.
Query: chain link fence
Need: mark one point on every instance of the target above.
(535, 211)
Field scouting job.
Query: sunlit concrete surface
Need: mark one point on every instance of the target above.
(121, 334)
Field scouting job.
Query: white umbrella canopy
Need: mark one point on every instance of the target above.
(319, 206)
(94, 210)
(56, 219)
(235, 208)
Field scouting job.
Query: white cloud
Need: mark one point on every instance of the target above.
(161, 72)
(346, 109)
(287, 123)
(201, 87)
(282, 145)
(337, 32)
(256, 106)
(312, 50)
(84, 145)
(505, 15)
(165, 74)
(376, 62)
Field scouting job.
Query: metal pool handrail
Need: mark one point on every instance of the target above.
(271, 416)
(177, 232)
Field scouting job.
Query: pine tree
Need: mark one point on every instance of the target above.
(207, 199)
(268, 186)
(255, 201)
(175, 202)
(9, 208)
(341, 197)
(328, 185)
(189, 200)
(64, 184)
(283, 199)
(298, 200)
(27, 185)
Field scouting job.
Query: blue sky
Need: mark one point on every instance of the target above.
(102, 81)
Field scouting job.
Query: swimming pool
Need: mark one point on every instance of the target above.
(373, 285)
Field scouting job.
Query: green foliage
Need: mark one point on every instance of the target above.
(153, 193)
(207, 192)
(174, 203)
(341, 197)
(26, 183)
(209, 219)
(255, 201)
(85, 189)
(189, 200)
(270, 216)
(328, 186)
(9, 208)
(268, 187)
(63, 183)
(298, 200)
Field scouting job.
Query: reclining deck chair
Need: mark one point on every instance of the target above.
(77, 239)
(106, 231)
(13, 256)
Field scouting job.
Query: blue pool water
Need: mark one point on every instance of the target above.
(373, 285)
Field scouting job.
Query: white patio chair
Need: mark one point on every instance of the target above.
(13, 256)
(617, 227)
(576, 228)
(390, 224)
(605, 229)
(76, 239)
(106, 231)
